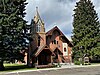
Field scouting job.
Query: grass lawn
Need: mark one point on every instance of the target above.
(15, 67)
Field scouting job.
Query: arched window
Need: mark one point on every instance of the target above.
(54, 41)
(38, 28)
(64, 49)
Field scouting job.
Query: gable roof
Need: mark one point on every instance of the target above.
(58, 50)
(40, 49)
(50, 32)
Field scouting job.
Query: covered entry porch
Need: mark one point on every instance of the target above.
(43, 56)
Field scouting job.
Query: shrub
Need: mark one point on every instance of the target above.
(77, 62)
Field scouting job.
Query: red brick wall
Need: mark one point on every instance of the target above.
(42, 39)
(69, 57)
(56, 36)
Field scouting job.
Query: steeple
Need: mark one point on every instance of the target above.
(38, 22)
(38, 30)
(37, 16)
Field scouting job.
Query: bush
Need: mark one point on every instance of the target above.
(77, 62)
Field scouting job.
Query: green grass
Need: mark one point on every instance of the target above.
(9, 65)
(16, 67)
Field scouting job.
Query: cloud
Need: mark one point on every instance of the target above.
(96, 3)
(56, 12)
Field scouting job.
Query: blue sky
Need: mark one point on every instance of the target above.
(56, 13)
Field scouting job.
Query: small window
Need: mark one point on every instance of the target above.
(54, 41)
(64, 49)
(38, 41)
(57, 42)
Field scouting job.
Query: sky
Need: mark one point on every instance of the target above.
(56, 13)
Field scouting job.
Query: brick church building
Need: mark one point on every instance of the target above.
(47, 47)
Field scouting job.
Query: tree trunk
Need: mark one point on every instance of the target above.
(1, 65)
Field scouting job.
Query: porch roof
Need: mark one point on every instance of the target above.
(41, 48)
(58, 50)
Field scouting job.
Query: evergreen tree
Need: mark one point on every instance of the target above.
(12, 30)
(86, 30)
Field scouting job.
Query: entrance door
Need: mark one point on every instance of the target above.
(44, 58)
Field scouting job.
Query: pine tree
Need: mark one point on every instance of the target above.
(12, 30)
(86, 30)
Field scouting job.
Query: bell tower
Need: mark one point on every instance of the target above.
(38, 22)
(38, 30)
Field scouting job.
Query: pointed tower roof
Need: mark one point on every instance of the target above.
(38, 22)
(37, 17)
